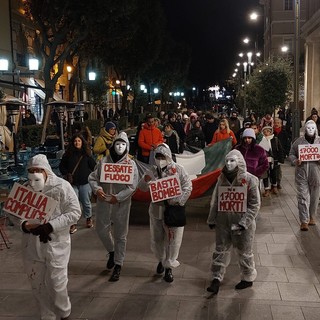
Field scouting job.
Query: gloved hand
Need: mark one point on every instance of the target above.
(43, 232)
(23, 227)
(212, 226)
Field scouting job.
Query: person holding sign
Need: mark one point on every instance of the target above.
(47, 246)
(234, 206)
(114, 181)
(305, 155)
(175, 190)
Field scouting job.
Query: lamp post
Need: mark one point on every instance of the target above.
(296, 111)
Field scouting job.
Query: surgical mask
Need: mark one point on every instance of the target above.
(36, 181)
(120, 147)
(231, 164)
(161, 163)
(310, 129)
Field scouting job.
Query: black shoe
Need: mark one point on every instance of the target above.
(243, 284)
(110, 263)
(160, 268)
(214, 286)
(168, 277)
(115, 274)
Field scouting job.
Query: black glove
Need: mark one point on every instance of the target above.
(43, 232)
(212, 226)
(23, 227)
(241, 227)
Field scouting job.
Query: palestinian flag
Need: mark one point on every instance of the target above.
(204, 168)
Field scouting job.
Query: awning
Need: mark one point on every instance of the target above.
(42, 85)
(31, 82)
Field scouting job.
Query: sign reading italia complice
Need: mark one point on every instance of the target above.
(26, 204)
(116, 173)
(309, 152)
(165, 188)
(232, 199)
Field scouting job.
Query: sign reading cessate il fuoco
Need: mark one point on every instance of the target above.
(116, 173)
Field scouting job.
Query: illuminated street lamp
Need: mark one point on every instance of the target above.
(253, 16)
(246, 40)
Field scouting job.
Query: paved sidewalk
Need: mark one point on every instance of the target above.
(287, 286)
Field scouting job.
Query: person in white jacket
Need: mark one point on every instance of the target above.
(307, 177)
(234, 220)
(113, 204)
(46, 247)
(166, 241)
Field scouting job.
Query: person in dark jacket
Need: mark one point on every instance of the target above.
(195, 137)
(29, 118)
(78, 161)
(178, 127)
(210, 127)
(171, 138)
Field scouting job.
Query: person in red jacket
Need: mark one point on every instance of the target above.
(149, 138)
(223, 133)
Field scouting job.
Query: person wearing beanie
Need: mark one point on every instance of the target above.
(254, 155)
(234, 227)
(307, 177)
(46, 247)
(113, 204)
(104, 140)
(275, 154)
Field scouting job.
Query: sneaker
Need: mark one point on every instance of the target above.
(214, 286)
(312, 222)
(110, 263)
(160, 268)
(304, 227)
(115, 274)
(274, 190)
(243, 285)
(89, 223)
(168, 276)
(73, 229)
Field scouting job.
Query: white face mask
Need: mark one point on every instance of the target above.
(36, 181)
(231, 164)
(310, 129)
(120, 147)
(161, 163)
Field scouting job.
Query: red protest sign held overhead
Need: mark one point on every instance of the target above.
(165, 188)
(232, 199)
(27, 204)
(116, 173)
(309, 152)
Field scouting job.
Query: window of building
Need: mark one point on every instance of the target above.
(288, 4)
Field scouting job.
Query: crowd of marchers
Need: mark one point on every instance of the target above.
(252, 167)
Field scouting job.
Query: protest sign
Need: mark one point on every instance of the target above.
(165, 188)
(26, 204)
(116, 173)
(309, 152)
(232, 199)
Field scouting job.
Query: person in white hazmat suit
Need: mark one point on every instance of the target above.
(113, 205)
(166, 241)
(237, 227)
(46, 247)
(307, 177)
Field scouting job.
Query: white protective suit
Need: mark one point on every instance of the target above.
(166, 241)
(47, 263)
(117, 213)
(225, 237)
(307, 179)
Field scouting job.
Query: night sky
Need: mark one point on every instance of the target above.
(214, 30)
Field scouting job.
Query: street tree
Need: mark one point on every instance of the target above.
(270, 86)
